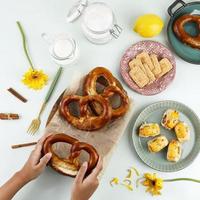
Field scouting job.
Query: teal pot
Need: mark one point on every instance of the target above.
(186, 52)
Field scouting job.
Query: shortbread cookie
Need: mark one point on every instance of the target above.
(157, 70)
(145, 58)
(136, 62)
(165, 65)
(149, 74)
(144, 67)
(139, 77)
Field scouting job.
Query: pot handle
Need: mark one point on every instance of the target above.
(172, 6)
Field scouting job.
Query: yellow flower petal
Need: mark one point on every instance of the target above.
(114, 181)
(35, 79)
(146, 182)
(148, 176)
(128, 186)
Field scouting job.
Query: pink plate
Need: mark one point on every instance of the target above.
(151, 47)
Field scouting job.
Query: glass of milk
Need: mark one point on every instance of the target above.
(62, 48)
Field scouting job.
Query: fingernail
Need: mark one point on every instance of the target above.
(49, 155)
(85, 164)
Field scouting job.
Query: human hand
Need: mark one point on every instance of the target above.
(35, 164)
(84, 188)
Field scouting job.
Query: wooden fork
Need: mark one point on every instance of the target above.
(35, 124)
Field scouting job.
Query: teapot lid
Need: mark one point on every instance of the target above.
(76, 10)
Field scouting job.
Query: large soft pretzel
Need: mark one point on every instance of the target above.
(91, 80)
(124, 102)
(70, 165)
(112, 87)
(193, 41)
(86, 121)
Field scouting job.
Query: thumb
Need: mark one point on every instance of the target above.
(81, 173)
(44, 160)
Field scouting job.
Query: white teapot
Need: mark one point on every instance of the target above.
(98, 21)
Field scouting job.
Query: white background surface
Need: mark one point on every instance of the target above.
(50, 16)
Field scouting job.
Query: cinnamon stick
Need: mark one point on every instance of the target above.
(9, 116)
(23, 145)
(17, 95)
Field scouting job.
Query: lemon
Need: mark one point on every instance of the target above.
(148, 25)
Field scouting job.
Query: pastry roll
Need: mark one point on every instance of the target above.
(170, 119)
(174, 151)
(149, 130)
(157, 144)
(182, 131)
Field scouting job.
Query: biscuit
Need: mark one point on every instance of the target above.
(144, 67)
(136, 62)
(157, 69)
(149, 74)
(139, 77)
(145, 58)
(165, 66)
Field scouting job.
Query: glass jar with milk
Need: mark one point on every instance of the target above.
(62, 48)
(98, 21)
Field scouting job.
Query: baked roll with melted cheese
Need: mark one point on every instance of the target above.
(182, 131)
(174, 151)
(149, 130)
(170, 119)
(157, 144)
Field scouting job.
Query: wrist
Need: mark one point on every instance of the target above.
(79, 198)
(23, 177)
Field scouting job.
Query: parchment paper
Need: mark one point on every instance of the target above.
(104, 140)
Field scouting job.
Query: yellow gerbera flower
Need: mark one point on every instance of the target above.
(35, 79)
(153, 183)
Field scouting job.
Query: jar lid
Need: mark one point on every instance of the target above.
(77, 10)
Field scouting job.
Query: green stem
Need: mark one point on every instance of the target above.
(182, 179)
(24, 44)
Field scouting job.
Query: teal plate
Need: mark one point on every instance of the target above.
(184, 51)
(190, 149)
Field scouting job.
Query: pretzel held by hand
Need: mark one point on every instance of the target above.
(193, 41)
(112, 87)
(69, 166)
(86, 121)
